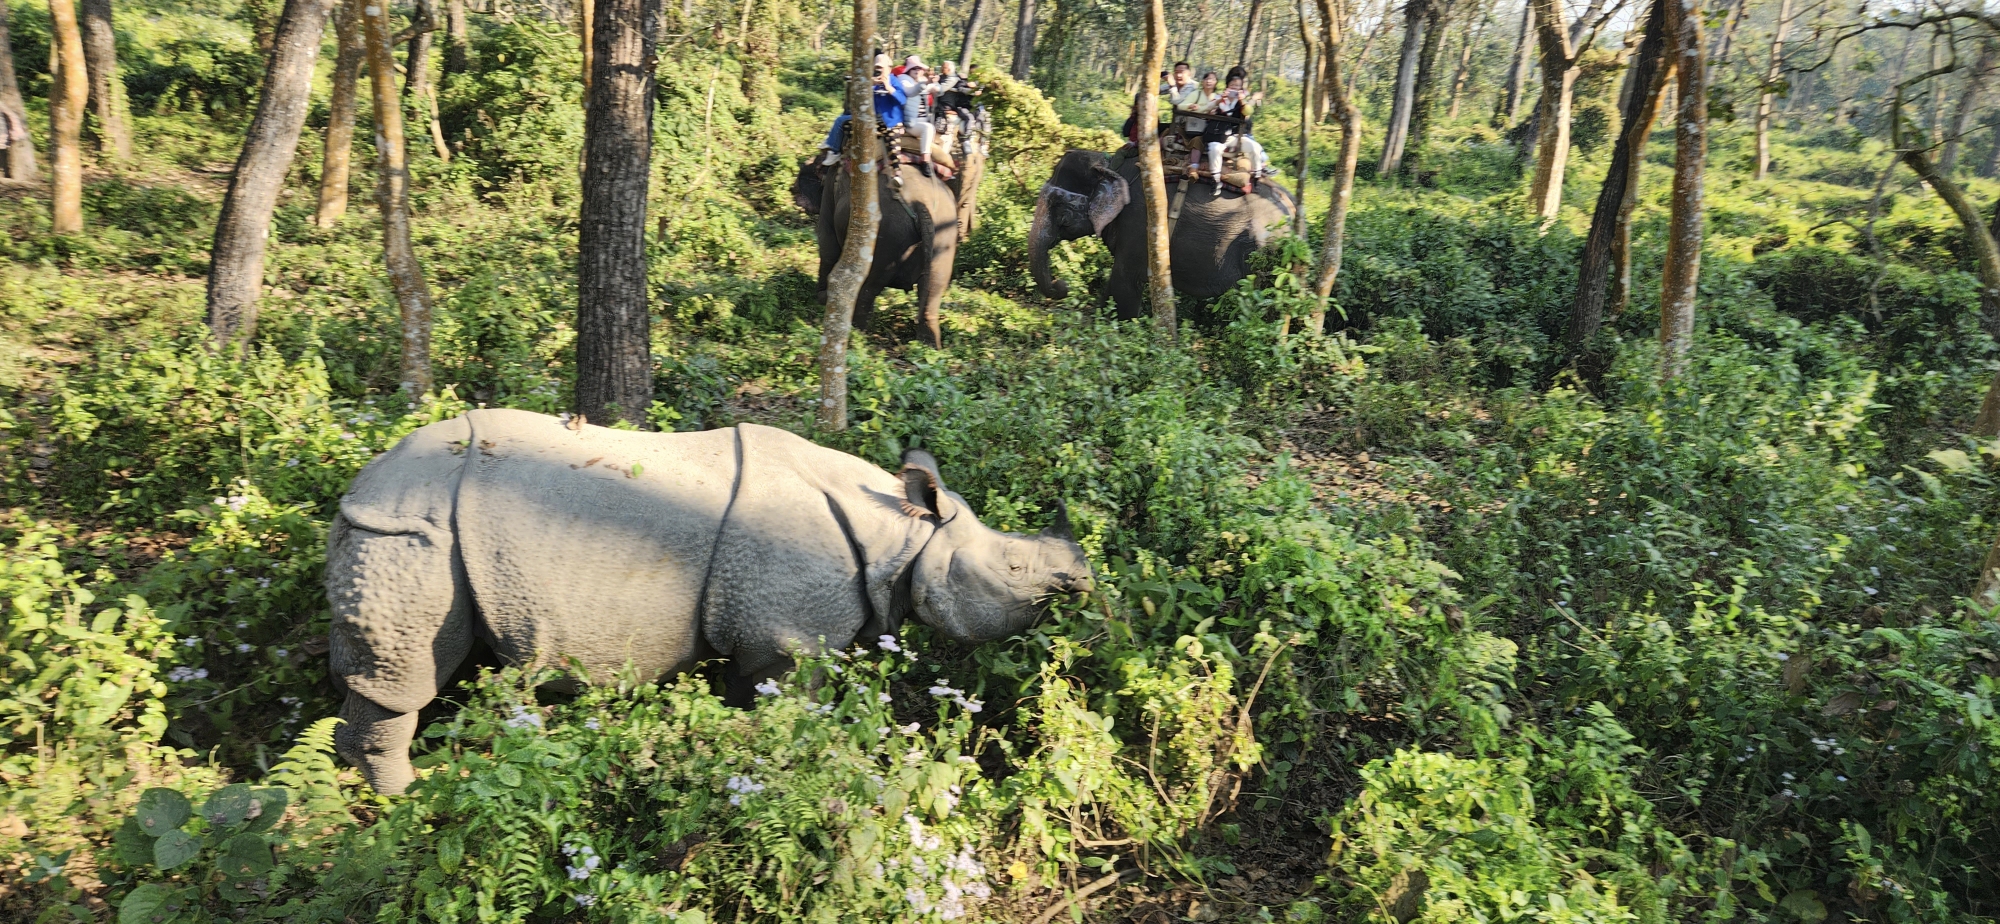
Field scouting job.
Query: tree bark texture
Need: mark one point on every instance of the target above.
(1024, 42)
(417, 76)
(1423, 101)
(1611, 222)
(1975, 84)
(1772, 71)
(1517, 69)
(1620, 294)
(586, 30)
(972, 23)
(614, 359)
(1462, 71)
(1552, 115)
(1153, 177)
(1249, 32)
(864, 217)
(1349, 118)
(1724, 43)
(392, 199)
(337, 160)
(68, 90)
(1682, 267)
(1308, 45)
(107, 89)
(1398, 133)
(236, 261)
(457, 43)
(19, 162)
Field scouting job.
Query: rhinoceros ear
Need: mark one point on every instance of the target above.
(1061, 528)
(923, 490)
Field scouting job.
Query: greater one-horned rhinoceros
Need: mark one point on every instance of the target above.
(606, 548)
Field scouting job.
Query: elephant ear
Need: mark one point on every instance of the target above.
(923, 488)
(1108, 196)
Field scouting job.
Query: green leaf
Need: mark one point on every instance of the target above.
(228, 806)
(271, 804)
(240, 890)
(174, 848)
(133, 846)
(1955, 461)
(145, 905)
(509, 775)
(246, 856)
(1805, 905)
(162, 810)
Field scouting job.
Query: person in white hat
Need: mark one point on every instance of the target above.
(916, 108)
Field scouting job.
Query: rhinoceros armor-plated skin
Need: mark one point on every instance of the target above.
(608, 549)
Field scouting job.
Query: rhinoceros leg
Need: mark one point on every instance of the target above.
(743, 679)
(402, 623)
(378, 741)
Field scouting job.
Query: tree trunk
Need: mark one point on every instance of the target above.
(1975, 83)
(20, 156)
(1462, 71)
(1306, 70)
(417, 76)
(1424, 99)
(339, 154)
(1772, 71)
(69, 87)
(1249, 32)
(392, 199)
(1153, 177)
(236, 260)
(971, 36)
(1024, 42)
(1398, 134)
(457, 43)
(586, 30)
(1989, 169)
(1611, 222)
(1349, 116)
(614, 358)
(1684, 223)
(1517, 69)
(1552, 115)
(107, 90)
(843, 283)
(1725, 41)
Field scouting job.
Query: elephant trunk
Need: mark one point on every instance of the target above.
(1041, 237)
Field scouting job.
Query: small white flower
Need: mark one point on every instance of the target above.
(1783, 656)
(585, 900)
(884, 698)
(1870, 591)
(190, 642)
(240, 624)
(768, 688)
(888, 643)
(243, 647)
(591, 724)
(524, 717)
(281, 652)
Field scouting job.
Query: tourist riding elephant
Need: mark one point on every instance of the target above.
(917, 242)
(612, 550)
(1211, 240)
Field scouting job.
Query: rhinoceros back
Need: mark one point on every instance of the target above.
(591, 545)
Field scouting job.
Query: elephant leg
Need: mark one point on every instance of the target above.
(1127, 290)
(935, 280)
(378, 741)
(864, 305)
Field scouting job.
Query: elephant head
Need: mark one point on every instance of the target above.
(973, 583)
(1081, 198)
(807, 189)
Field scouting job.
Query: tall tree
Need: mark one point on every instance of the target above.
(1968, 103)
(1250, 31)
(1772, 71)
(1153, 176)
(417, 74)
(1416, 17)
(337, 158)
(1464, 69)
(864, 217)
(1423, 98)
(1349, 117)
(614, 358)
(971, 41)
(392, 199)
(1024, 42)
(1552, 114)
(67, 92)
(1308, 44)
(107, 90)
(1604, 251)
(19, 162)
(236, 260)
(457, 43)
(1518, 67)
(1682, 267)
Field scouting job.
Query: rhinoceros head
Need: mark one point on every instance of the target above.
(974, 583)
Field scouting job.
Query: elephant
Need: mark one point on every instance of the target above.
(917, 242)
(610, 550)
(1212, 240)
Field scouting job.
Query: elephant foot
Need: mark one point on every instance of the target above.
(819, 296)
(378, 742)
